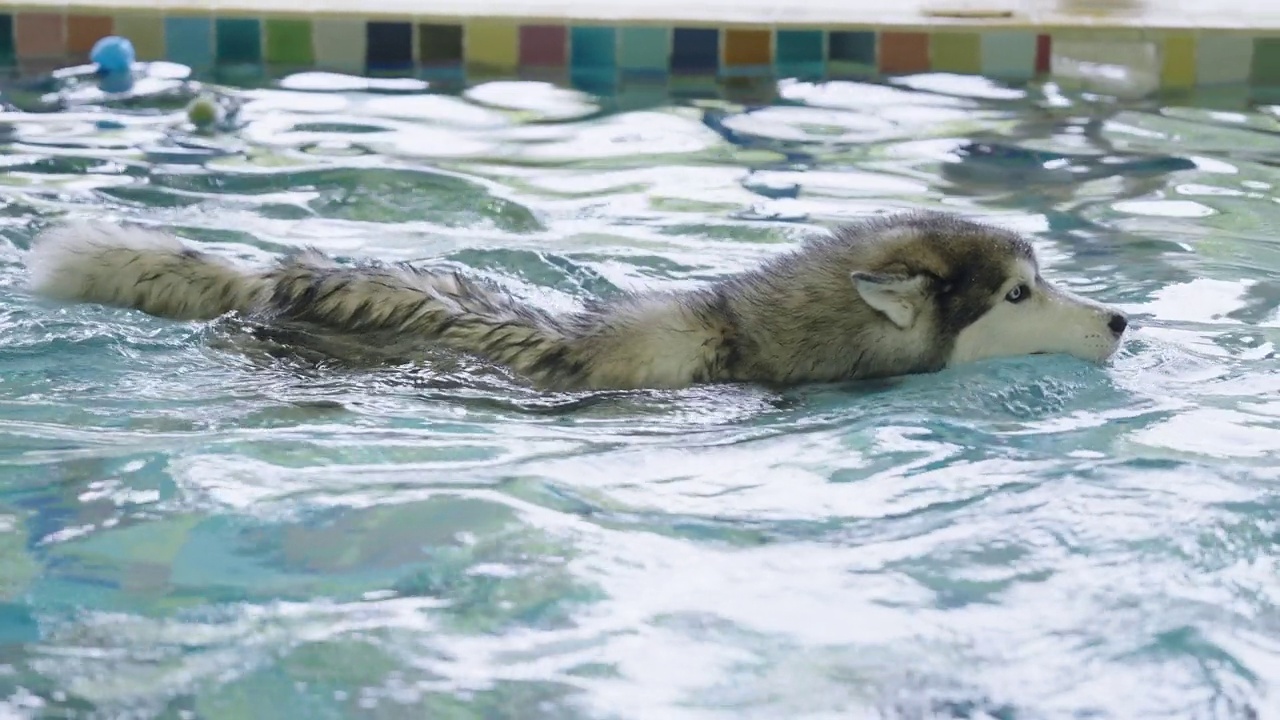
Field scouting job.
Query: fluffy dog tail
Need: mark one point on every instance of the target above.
(138, 268)
(156, 273)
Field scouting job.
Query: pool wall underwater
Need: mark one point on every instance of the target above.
(1121, 47)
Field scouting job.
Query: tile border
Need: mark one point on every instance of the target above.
(423, 45)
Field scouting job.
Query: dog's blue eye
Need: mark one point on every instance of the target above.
(1018, 294)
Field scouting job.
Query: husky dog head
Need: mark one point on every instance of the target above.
(975, 292)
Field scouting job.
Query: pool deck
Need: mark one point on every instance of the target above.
(1121, 46)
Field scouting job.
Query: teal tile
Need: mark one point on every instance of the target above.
(644, 49)
(7, 55)
(597, 81)
(593, 59)
(189, 41)
(239, 41)
(593, 47)
(1009, 54)
(800, 53)
(853, 47)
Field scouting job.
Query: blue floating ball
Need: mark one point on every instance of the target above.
(115, 82)
(113, 54)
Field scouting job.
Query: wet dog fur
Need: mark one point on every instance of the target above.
(897, 295)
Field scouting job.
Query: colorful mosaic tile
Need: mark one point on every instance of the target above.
(288, 42)
(1178, 61)
(1008, 54)
(146, 32)
(1265, 68)
(955, 52)
(1044, 54)
(8, 54)
(695, 51)
(594, 58)
(594, 48)
(748, 47)
(904, 52)
(492, 46)
(189, 41)
(239, 41)
(543, 46)
(85, 30)
(852, 51)
(440, 45)
(39, 35)
(800, 53)
(389, 46)
(1223, 59)
(592, 53)
(339, 44)
(644, 50)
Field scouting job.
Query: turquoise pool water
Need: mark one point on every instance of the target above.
(188, 532)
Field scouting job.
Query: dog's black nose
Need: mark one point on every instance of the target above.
(1117, 323)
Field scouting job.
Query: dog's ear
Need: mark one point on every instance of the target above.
(898, 296)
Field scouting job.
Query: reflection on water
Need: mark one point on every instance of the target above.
(190, 531)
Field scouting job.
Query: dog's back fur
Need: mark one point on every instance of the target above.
(799, 317)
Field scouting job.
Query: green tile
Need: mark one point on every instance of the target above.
(956, 52)
(1266, 61)
(289, 42)
(145, 31)
(439, 44)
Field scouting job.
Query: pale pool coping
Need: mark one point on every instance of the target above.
(1251, 16)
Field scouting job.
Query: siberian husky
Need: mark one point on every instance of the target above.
(898, 295)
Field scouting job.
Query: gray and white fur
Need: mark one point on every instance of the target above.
(899, 295)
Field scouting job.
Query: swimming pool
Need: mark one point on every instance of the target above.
(188, 531)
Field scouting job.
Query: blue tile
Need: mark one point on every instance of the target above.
(855, 46)
(390, 46)
(593, 47)
(799, 53)
(189, 41)
(695, 50)
(239, 41)
(645, 50)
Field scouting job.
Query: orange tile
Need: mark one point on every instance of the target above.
(85, 30)
(904, 52)
(747, 47)
(39, 35)
(38, 67)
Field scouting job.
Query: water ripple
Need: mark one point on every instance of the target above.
(195, 527)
